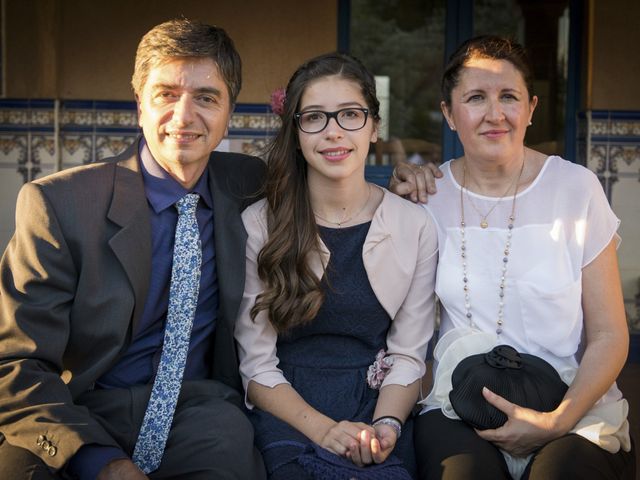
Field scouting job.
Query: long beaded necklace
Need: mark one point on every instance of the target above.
(505, 258)
(355, 215)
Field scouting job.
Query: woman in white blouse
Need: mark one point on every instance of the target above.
(527, 258)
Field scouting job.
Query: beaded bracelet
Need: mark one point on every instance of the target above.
(392, 421)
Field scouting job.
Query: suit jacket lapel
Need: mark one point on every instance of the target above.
(132, 243)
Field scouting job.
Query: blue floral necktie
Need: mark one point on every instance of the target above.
(183, 299)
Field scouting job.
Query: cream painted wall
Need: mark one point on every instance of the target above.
(78, 49)
(615, 67)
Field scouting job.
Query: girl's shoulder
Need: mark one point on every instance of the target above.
(254, 217)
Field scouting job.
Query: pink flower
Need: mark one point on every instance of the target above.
(278, 97)
(379, 369)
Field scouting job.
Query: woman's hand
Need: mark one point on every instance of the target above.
(525, 431)
(384, 443)
(344, 439)
(374, 444)
(415, 182)
(361, 443)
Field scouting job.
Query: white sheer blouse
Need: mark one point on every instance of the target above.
(562, 222)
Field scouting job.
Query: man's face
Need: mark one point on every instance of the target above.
(184, 110)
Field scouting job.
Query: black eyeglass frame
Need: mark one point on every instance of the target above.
(329, 116)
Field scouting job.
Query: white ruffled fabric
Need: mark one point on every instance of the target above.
(605, 425)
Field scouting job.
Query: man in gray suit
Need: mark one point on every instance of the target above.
(84, 287)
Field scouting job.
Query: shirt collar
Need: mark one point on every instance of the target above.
(161, 189)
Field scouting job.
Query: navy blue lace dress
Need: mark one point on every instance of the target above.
(326, 362)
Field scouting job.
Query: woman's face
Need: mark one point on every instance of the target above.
(335, 153)
(490, 108)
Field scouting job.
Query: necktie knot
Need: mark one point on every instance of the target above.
(187, 204)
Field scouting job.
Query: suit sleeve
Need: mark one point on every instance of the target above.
(37, 286)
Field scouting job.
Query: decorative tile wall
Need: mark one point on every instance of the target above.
(39, 137)
(251, 128)
(609, 145)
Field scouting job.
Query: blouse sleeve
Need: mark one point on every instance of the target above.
(256, 339)
(601, 224)
(413, 325)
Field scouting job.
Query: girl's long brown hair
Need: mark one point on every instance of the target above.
(292, 295)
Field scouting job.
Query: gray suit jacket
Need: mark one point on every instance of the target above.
(73, 284)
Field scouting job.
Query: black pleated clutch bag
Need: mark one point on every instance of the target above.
(523, 379)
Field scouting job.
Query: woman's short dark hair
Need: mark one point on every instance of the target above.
(486, 46)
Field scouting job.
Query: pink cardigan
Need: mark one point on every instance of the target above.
(399, 255)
